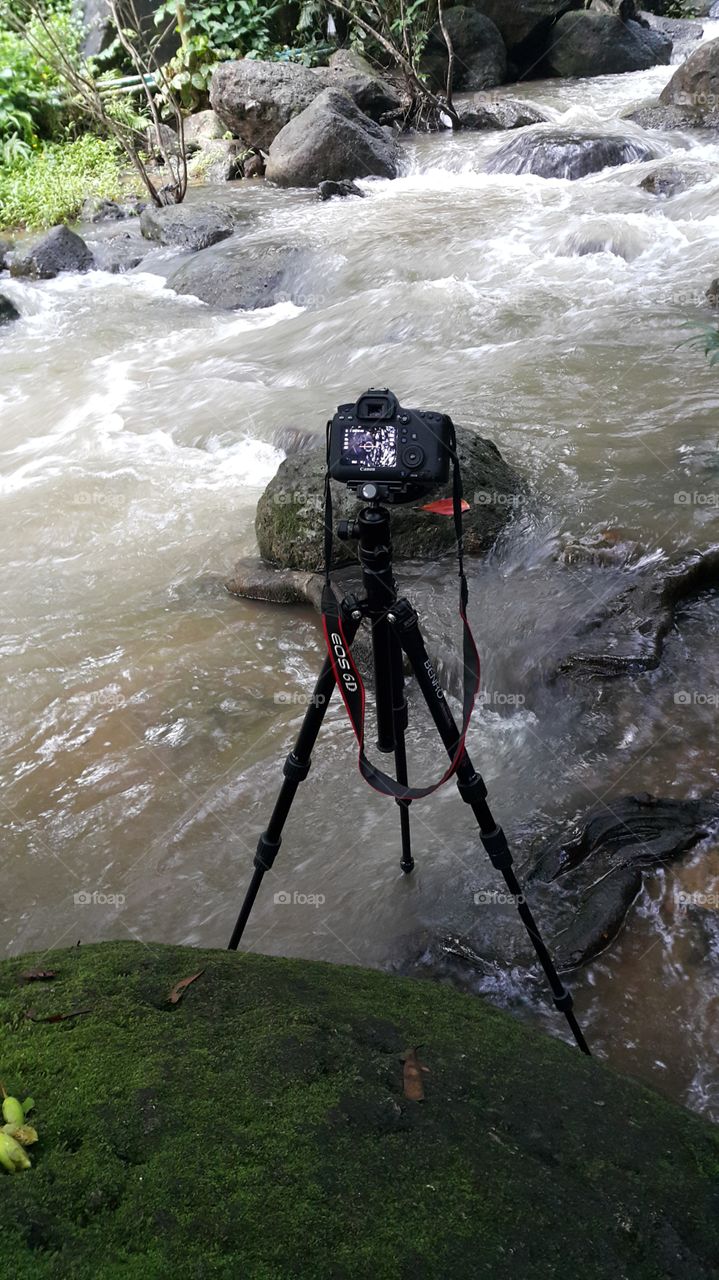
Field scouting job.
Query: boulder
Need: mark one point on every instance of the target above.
(479, 50)
(59, 249)
(255, 99)
(350, 71)
(289, 513)
(671, 179)
(693, 90)
(218, 161)
(525, 25)
(95, 20)
(236, 277)
(597, 44)
(503, 113)
(563, 153)
(332, 140)
(194, 226)
(200, 128)
(8, 310)
(98, 209)
(328, 190)
(121, 252)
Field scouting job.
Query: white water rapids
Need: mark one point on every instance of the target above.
(146, 713)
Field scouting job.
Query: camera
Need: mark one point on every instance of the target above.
(405, 452)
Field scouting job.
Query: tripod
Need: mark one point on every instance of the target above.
(395, 631)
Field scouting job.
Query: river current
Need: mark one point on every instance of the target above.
(146, 712)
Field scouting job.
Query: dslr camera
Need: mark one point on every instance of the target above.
(404, 452)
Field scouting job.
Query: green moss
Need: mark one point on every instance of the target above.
(259, 1129)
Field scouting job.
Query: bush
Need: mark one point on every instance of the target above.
(32, 103)
(50, 184)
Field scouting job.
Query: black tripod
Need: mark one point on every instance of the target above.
(395, 629)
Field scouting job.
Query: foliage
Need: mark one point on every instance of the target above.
(706, 340)
(49, 185)
(212, 33)
(31, 98)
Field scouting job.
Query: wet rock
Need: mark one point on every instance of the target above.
(481, 56)
(671, 179)
(328, 190)
(626, 636)
(332, 140)
(98, 209)
(289, 520)
(254, 165)
(684, 32)
(525, 25)
(252, 579)
(195, 226)
(694, 87)
(8, 310)
(600, 870)
(6, 249)
(234, 277)
(572, 154)
(120, 253)
(598, 44)
(201, 128)
(503, 113)
(351, 72)
(218, 161)
(59, 249)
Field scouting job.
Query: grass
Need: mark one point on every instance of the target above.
(50, 185)
(259, 1128)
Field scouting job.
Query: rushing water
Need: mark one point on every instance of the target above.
(146, 712)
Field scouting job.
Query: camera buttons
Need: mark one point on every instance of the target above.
(413, 456)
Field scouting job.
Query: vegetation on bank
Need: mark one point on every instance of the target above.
(267, 1125)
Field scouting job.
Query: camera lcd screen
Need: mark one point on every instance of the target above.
(370, 449)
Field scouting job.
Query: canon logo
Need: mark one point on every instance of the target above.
(344, 664)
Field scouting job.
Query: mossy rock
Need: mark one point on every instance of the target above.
(259, 1129)
(289, 522)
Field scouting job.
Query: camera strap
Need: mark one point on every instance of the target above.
(348, 679)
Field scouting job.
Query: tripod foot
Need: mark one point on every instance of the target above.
(407, 865)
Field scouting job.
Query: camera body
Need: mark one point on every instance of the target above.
(404, 452)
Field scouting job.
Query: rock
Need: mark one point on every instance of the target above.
(349, 71)
(200, 128)
(120, 253)
(527, 1150)
(332, 140)
(600, 870)
(8, 310)
(254, 165)
(480, 53)
(684, 33)
(561, 153)
(194, 226)
(95, 20)
(6, 248)
(503, 113)
(289, 517)
(596, 44)
(255, 99)
(693, 90)
(98, 209)
(59, 249)
(627, 634)
(161, 140)
(525, 25)
(219, 161)
(671, 179)
(232, 276)
(252, 579)
(327, 190)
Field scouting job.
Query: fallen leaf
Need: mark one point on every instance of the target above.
(180, 988)
(412, 1076)
(38, 975)
(57, 1017)
(444, 507)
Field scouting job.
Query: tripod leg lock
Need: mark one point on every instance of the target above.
(267, 851)
(564, 1003)
(472, 791)
(495, 842)
(294, 769)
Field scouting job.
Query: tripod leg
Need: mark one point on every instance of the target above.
(474, 792)
(295, 770)
(400, 721)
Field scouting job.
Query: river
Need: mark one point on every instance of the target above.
(146, 712)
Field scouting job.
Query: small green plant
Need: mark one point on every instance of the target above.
(49, 185)
(212, 33)
(33, 105)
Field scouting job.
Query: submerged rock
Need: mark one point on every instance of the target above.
(328, 190)
(187, 226)
(289, 522)
(560, 153)
(479, 112)
(8, 310)
(671, 179)
(592, 1164)
(332, 140)
(232, 276)
(98, 209)
(600, 870)
(59, 249)
(479, 50)
(6, 249)
(600, 44)
(120, 253)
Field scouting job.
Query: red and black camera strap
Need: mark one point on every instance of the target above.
(347, 676)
